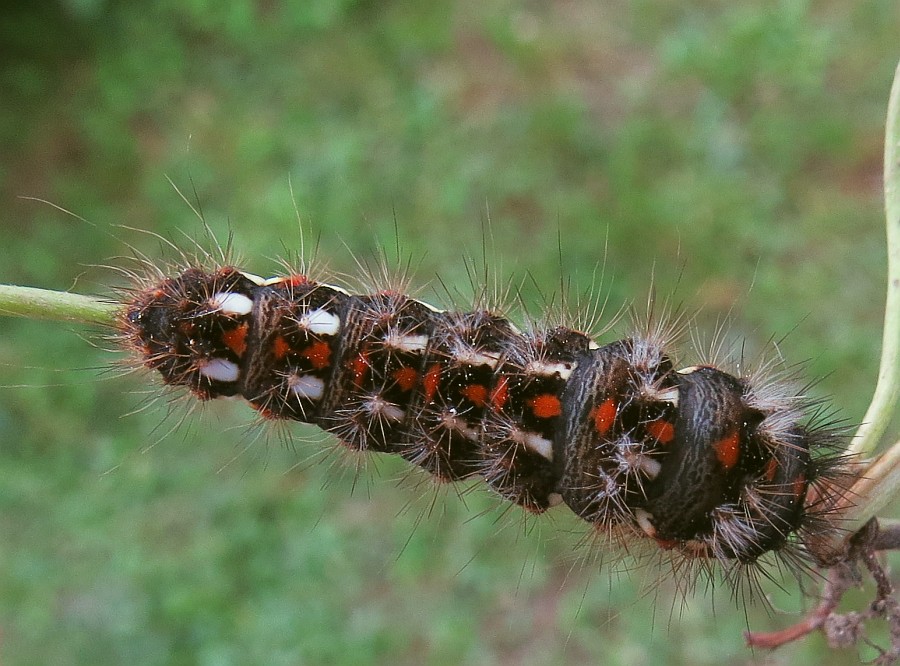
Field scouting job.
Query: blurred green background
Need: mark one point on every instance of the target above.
(729, 153)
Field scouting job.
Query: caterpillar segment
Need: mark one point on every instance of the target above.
(703, 463)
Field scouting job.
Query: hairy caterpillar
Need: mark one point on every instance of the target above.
(703, 464)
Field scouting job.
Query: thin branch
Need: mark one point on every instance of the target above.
(843, 630)
(56, 305)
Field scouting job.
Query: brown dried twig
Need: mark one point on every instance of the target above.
(844, 630)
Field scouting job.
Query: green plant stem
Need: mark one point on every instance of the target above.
(887, 389)
(880, 481)
(56, 305)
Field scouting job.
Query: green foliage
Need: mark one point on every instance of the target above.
(714, 145)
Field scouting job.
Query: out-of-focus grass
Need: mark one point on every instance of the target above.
(732, 151)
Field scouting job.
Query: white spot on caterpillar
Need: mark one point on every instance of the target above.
(220, 370)
(279, 279)
(305, 386)
(532, 442)
(393, 412)
(548, 369)
(255, 279)
(688, 370)
(388, 410)
(472, 357)
(407, 343)
(268, 282)
(540, 445)
(669, 395)
(649, 466)
(320, 322)
(340, 290)
(231, 303)
(554, 499)
(644, 521)
(429, 306)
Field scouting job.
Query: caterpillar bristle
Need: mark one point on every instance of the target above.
(708, 470)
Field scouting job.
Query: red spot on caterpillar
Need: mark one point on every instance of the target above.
(476, 394)
(728, 449)
(236, 339)
(546, 406)
(500, 393)
(666, 544)
(661, 430)
(406, 378)
(296, 280)
(604, 416)
(318, 354)
(280, 347)
(431, 381)
(359, 366)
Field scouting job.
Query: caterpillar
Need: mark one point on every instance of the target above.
(702, 464)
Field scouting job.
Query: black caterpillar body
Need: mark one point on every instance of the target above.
(707, 464)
